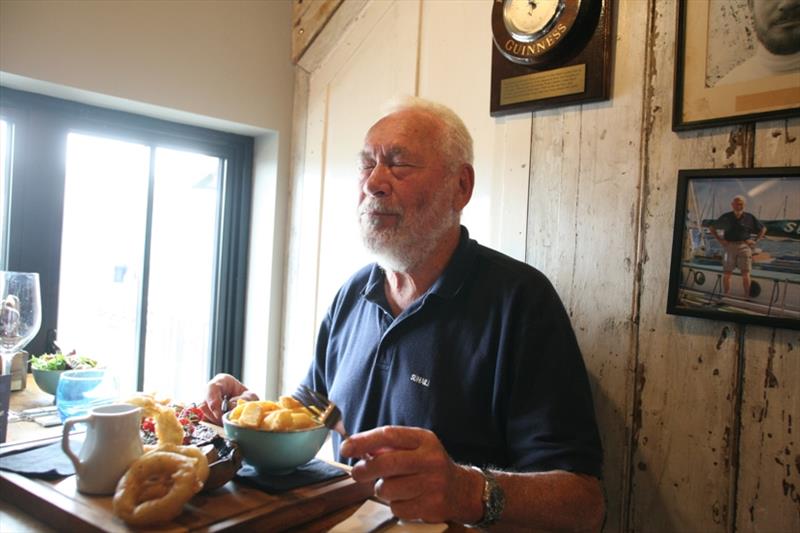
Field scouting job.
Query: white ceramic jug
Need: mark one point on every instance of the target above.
(112, 443)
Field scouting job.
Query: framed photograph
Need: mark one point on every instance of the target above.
(736, 61)
(736, 246)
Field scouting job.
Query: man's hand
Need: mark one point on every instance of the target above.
(415, 475)
(223, 386)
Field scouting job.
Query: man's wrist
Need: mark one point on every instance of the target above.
(492, 499)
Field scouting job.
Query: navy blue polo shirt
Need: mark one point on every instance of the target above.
(738, 229)
(486, 359)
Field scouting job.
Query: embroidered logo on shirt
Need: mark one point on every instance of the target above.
(422, 381)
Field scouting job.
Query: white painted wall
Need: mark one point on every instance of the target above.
(223, 59)
(219, 64)
(455, 57)
(439, 50)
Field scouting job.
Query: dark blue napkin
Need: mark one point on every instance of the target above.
(315, 471)
(44, 462)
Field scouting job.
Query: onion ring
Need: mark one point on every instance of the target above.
(147, 477)
(193, 452)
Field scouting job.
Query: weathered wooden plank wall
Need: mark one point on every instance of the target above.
(768, 496)
(697, 416)
(583, 232)
(685, 370)
(704, 441)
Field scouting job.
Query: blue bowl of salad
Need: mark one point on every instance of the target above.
(47, 368)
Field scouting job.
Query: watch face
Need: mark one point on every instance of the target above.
(529, 31)
(527, 20)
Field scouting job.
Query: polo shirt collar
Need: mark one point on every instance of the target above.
(448, 284)
(455, 274)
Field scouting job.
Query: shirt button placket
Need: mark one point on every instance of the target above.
(381, 357)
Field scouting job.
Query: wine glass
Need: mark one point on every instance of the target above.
(20, 313)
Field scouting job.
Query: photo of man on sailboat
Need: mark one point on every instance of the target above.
(736, 237)
(736, 249)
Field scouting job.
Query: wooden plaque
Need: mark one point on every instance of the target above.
(561, 68)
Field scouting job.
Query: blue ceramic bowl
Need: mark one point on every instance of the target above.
(276, 452)
(47, 380)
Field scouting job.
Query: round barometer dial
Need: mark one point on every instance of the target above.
(529, 31)
(527, 20)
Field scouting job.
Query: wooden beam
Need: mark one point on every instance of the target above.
(308, 19)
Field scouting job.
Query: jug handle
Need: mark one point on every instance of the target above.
(68, 423)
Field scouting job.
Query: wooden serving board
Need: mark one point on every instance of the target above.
(230, 508)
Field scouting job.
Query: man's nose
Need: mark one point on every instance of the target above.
(378, 183)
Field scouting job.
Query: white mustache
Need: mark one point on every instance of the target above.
(376, 206)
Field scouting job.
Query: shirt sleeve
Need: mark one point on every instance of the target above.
(757, 224)
(315, 378)
(551, 423)
(720, 223)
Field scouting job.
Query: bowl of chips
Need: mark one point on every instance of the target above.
(275, 437)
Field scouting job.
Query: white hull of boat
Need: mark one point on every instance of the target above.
(775, 294)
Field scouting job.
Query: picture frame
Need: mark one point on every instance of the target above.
(720, 72)
(700, 263)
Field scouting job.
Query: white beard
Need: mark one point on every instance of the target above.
(414, 237)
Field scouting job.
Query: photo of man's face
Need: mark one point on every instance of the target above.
(777, 25)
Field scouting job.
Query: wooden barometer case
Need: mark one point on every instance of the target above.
(549, 53)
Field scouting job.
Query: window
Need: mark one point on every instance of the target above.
(5, 181)
(138, 228)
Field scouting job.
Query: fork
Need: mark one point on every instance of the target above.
(327, 412)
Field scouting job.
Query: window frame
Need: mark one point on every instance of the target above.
(37, 202)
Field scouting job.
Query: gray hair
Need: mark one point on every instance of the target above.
(456, 142)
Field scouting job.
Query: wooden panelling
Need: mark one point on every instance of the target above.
(582, 233)
(308, 19)
(768, 496)
(686, 372)
(698, 417)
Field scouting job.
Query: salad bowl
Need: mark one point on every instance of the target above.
(47, 368)
(47, 380)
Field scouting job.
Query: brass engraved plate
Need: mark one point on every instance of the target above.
(541, 85)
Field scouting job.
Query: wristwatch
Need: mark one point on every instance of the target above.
(493, 498)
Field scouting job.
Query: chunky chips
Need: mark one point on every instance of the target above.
(287, 414)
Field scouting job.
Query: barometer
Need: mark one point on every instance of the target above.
(549, 52)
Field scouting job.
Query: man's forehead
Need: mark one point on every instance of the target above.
(403, 125)
(387, 150)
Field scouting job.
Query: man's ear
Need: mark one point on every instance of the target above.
(466, 183)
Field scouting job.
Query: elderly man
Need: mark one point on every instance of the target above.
(455, 367)
(741, 231)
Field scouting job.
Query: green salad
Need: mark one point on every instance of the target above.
(59, 361)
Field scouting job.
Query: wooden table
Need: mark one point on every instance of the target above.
(30, 397)
(36, 505)
(28, 504)
(233, 507)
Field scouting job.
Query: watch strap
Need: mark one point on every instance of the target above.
(493, 499)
